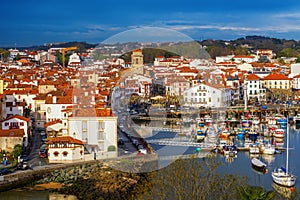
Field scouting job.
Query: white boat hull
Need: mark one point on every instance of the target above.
(284, 179)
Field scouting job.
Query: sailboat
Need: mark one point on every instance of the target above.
(281, 175)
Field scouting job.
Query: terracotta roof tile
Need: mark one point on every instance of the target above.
(18, 117)
(276, 77)
(252, 77)
(64, 139)
(12, 133)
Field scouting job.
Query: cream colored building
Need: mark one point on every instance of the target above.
(65, 149)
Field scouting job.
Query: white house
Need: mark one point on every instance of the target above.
(65, 149)
(296, 82)
(17, 122)
(208, 95)
(99, 132)
(254, 87)
(54, 106)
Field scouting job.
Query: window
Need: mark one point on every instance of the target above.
(6, 123)
(209, 99)
(56, 153)
(100, 135)
(101, 125)
(65, 153)
(84, 125)
(21, 123)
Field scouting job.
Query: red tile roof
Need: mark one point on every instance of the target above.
(64, 139)
(252, 77)
(276, 77)
(18, 117)
(12, 133)
(53, 122)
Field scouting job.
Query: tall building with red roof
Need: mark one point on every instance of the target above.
(254, 87)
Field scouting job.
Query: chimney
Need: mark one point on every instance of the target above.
(54, 99)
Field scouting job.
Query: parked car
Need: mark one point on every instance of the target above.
(42, 133)
(126, 151)
(23, 166)
(143, 151)
(5, 171)
(120, 141)
(24, 158)
(43, 154)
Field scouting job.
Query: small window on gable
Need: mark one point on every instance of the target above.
(65, 153)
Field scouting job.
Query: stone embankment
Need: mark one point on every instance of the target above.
(57, 173)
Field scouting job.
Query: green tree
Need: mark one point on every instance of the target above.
(18, 57)
(18, 148)
(255, 193)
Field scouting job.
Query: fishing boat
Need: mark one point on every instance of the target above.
(281, 175)
(253, 149)
(200, 135)
(259, 165)
(208, 120)
(279, 133)
(282, 122)
(252, 135)
(268, 149)
(297, 121)
(240, 134)
(230, 150)
(246, 123)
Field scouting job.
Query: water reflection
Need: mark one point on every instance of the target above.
(285, 192)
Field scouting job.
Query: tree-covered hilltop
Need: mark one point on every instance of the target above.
(246, 45)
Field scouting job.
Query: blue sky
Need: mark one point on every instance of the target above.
(34, 22)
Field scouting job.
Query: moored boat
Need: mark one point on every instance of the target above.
(230, 150)
(281, 175)
(253, 149)
(279, 133)
(268, 149)
(259, 165)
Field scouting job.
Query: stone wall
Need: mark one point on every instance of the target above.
(45, 173)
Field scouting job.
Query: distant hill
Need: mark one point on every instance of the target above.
(282, 47)
(80, 45)
(212, 48)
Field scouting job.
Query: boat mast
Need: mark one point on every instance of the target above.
(287, 147)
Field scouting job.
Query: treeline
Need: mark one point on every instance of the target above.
(248, 45)
(149, 54)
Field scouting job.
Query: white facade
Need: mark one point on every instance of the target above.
(54, 110)
(99, 134)
(296, 82)
(17, 122)
(74, 58)
(295, 69)
(207, 96)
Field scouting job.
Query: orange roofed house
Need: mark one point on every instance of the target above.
(17, 124)
(65, 149)
(279, 85)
